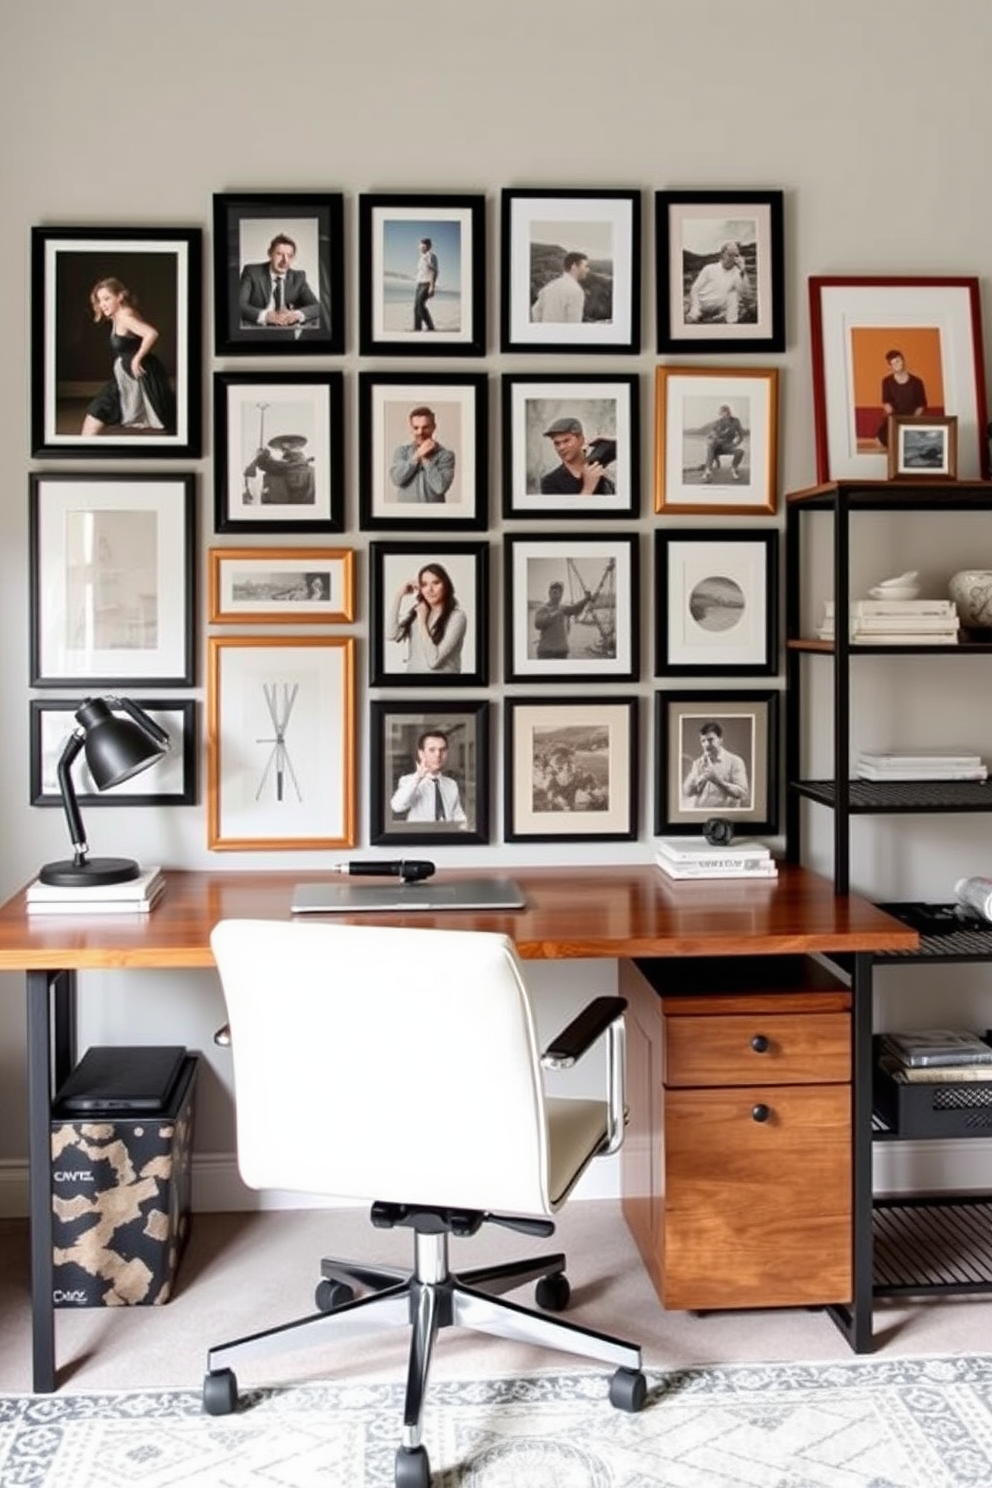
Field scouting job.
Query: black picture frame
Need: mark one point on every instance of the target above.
(150, 277)
(391, 229)
(171, 781)
(750, 731)
(395, 728)
(246, 225)
(304, 405)
(393, 567)
(455, 478)
(571, 769)
(716, 602)
(541, 231)
(536, 483)
(599, 623)
(690, 230)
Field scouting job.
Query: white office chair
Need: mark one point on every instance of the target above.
(402, 1066)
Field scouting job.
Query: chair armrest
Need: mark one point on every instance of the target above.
(583, 1031)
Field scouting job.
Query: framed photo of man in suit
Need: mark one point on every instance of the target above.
(429, 772)
(278, 274)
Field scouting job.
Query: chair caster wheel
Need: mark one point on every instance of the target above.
(413, 1468)
(331, 1294)
(552, 1292)
(628, 1390)
(220, 1392)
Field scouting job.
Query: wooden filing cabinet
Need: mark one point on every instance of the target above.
(737, 1162)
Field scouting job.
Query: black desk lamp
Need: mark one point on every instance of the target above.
(116, 748)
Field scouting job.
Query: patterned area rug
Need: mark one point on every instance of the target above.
(903, 1423)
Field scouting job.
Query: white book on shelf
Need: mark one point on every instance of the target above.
(698, 850)
(900, 758)
(895, 607)
(745, 868)
(135, 889)
(905, 622)
(906, 638)
(923, 772)
(97, 906)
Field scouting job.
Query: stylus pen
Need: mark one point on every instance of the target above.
(412, 870)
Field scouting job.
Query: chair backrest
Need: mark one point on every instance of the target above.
(384, 1063)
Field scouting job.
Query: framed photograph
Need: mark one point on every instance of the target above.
(571, 770)
(884, 346)
(422, 290)
(570, 608)
(430, 773)
(279, 274)
(115, 343)
(279, 458)
(716, 440)
(570, 446)
(716, 603)
(720, 272)
(171, 781)
(922, 448)
(112, 580)
(717, 756)
(430, 612)
(424, 451)
(282, 586)
(280, 742)
(570, 271)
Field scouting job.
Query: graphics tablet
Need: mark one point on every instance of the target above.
(465, 893)
(122, 1078)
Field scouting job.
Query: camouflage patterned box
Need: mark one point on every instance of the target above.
(120, 1202)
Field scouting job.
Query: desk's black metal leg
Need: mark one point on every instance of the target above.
(856, 1322)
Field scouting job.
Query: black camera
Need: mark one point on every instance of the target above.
(602, 452)
(718, 831)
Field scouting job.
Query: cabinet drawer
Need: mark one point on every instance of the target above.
(755, 1049)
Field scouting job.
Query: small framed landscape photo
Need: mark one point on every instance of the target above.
(923, 448)
(571, 770)
(570, 446)
(170, 781)
(717, 602)
(570, 608)
(429, 614)
(279, 274)
(429, 772)
(571, 271)
(721, 277)
(717, 755)
(424, 441)
(282, 586)
(716, 440)
(422, 287)
(279, 461)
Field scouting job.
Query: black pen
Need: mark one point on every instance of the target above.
(410, 870)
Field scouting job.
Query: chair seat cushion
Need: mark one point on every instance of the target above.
(577, 1129)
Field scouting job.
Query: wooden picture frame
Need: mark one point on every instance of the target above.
(405, 737)
(918, 340)
(716, 441)
(570, 606)
(422, 282)
(711, 299)
(129, 283)
(280, 743)
(170, 781)
(716, 602)
(299, 235)
(743, 723)
(557, 432)
(112, 580)
(923, 448)
(571, 770)
(452, 648)
(281, 586)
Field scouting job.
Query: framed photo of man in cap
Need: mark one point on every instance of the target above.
(570, 446)
(279, 465)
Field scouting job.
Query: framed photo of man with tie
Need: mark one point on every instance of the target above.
(429, 773)
(279, 274)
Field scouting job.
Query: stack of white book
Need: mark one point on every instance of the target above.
(897, 622)
(134, 897)
(939, 765)
(694, 857)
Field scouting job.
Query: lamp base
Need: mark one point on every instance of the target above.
(91, 874)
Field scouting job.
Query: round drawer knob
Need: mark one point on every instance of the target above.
(759, 1044)
(760, 1113)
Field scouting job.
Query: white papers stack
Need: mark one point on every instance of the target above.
(897, 622)
(694, 857)
(898, 765)
(134, 897)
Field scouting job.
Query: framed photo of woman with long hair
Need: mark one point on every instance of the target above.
(429, 612)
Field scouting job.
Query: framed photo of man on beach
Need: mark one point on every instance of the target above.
(570, 446)
(570, 607)
(429, 772)
(716, 755)
(279, 274)
(716, 440)
(570, 271)
(422, 288)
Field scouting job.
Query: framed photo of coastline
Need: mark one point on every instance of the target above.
(717, 755)
(571, 770)
(571, 446)
(717, 602)
(429, 773)
(922, 448)
(570, 607)
(115, 343)
(884, 346)
(716, 440)
(720, 271)
(170, 781)
(422, 290)
(424, 442)
(279, 274)
(429, 614)
(281, 586)
(570, 271)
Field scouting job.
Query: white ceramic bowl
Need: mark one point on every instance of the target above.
(895, 591)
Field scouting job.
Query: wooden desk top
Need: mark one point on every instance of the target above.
(602, 911)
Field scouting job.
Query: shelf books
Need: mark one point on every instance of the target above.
(937, 1047)
(899, 765)
(935, 1074)
(692, 857)
(897, 622)
(137, 896)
